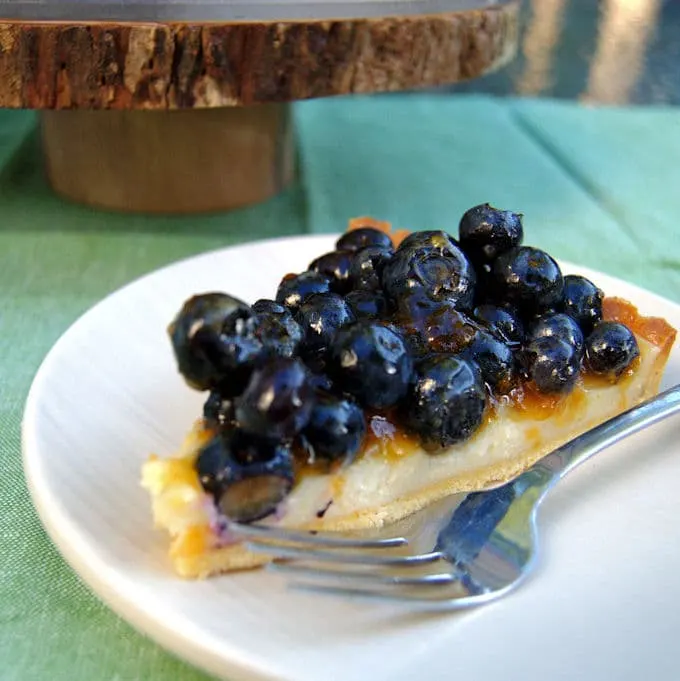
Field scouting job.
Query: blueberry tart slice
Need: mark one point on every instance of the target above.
(396, 370)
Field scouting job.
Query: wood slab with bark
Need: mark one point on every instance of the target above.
(128, 68)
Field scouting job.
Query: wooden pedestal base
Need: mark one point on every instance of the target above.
(185, 161)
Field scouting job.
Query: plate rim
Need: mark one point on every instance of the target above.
(60, 526)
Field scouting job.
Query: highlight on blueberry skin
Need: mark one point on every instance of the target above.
(485, 232)
(582, 301)
(276, 329)
(611, 348)
(434, 240)
(277, 401)
(446, 402)
(321, 316)
(362, 237)
(336, 428)
(528, 278)
(495, 360)
(214, 342)
(502, 321)
(336, 266)
(367, 268)
(294, 289)
(248, 477)
(370, 360)
(552, 364)
(443, 271)
(560, 326)
(219, 411)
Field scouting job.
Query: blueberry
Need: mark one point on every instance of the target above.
(367, 266)
(528, 278)
(582, 301)
(247, 476)
(370, 360)
(218, 411)
(552, 364)
(320, 317)
(277, 401)
(356, 239)
(435, 240)
(561, 326)
(485, 232)
(367, 304)
(610, 349)
(336, 428)
(214, 342)
(503, 322)
(296, 288)
(276, 329)
(446, 402)
(495, 360)
(433, 326)
(448, 276)
(266, 305)
(336, 266)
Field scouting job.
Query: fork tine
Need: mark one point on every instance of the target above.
(301, 571)
(338, 557)
(278, 533)
(443, 598)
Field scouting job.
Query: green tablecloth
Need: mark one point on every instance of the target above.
(596, 186)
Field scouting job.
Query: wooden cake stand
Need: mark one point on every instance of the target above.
(180, 106)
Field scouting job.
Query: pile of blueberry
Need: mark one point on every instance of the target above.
(428, 333)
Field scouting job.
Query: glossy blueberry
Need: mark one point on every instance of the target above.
(561, 326)
(296, 288)
(485, 232)
(356, 239)
(267, 305)
(446, 402)
(336, 428)
(247, 476)
(367, 267)
(582, 301)
(551, 363)
(370, 361)
(528, 278)
(367, 304)
(447, 276)
(503, 322)
(336, 266)
(219, 411)
(496, 361)
(433, 326)
(276, 329)
(277, 401)
(610, 349)
(320, 317)
(214, 342)
(435, 240)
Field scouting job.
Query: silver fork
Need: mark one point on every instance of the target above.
(483, 546)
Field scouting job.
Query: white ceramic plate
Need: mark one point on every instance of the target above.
(604, 602)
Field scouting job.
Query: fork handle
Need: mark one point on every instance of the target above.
(549, 470)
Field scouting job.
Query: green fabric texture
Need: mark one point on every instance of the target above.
(595, 186)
